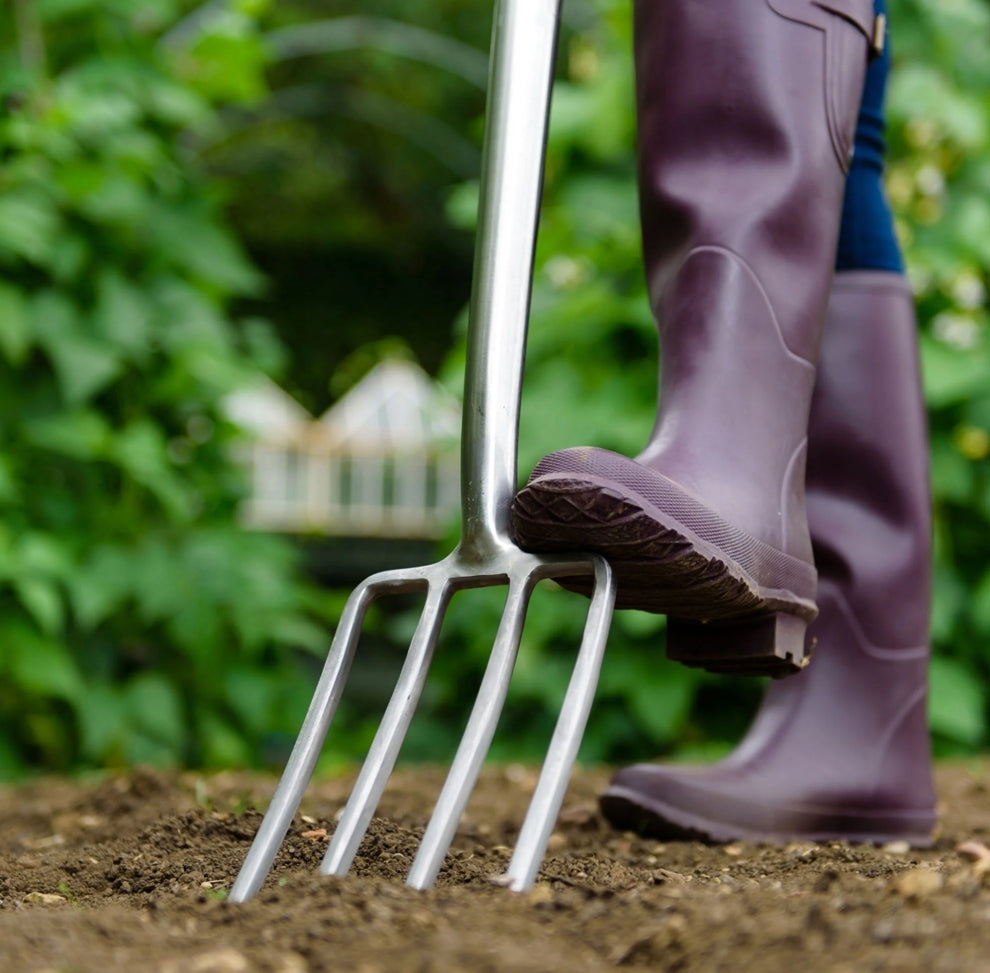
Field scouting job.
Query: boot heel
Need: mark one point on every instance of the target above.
(769, 645)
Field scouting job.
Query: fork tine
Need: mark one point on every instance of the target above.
(384, 750)
(476, 739)
(306, 750)
(562, 752)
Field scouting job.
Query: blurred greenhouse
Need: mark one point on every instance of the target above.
(221, 220)
(381, 462)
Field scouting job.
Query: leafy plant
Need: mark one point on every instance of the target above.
(939, 179)
(137, 620)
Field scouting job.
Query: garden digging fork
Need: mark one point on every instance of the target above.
(523, 46)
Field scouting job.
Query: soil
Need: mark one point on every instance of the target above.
(129, 873)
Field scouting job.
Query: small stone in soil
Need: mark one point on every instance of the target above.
(918, 883)
(44, 898)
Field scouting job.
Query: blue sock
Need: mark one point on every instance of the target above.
(866, 233)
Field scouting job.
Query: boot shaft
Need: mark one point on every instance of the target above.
(861, 707)
(746, 112)
(868, 494)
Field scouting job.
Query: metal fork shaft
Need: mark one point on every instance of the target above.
(522, 60)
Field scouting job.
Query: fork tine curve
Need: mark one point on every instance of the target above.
(562, 752)
(384, 750)
(476, 739)
(306, 750)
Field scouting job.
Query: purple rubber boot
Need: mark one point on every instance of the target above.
(746, 113)
(842, 750)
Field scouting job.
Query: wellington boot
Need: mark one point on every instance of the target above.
(746, 114)
(842, 750)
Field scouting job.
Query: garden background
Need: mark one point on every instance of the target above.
(193, 194)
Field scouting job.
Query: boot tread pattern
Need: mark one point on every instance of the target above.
(665, 569)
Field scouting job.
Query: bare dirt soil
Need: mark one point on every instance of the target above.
(129, 873)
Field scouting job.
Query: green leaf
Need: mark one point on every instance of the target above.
(227, 64)
(9, 488)
(102, 585)
(93, 109)
(951, 374)
(222, 745)
(45, 554)
(658, 693)
(251, 694)
(640, 624)
(175, 104)
(199, 628)
(11, 765)
(154, 708)
(118, 199)
(29, 224)
(462, 205)
(205, 250)
(159, 585)
(122, 314)
(957, 702)
(15, 333)
(81, 434)
(296, 631)
(43, 602)
(38, 665)
(102, 723)
(142, 452)
(979, 603)
(35, 568)
(83, 363)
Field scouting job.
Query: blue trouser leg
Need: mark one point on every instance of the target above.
(866, 233)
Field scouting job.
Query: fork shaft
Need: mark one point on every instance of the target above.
(523, 46)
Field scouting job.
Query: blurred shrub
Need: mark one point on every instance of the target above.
(137, 622)
(938, 181)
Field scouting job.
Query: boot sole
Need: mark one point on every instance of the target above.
(626, 810)
(721, 618)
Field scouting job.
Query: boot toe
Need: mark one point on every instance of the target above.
(665, 803)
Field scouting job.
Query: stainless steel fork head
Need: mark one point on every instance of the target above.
(520, 572)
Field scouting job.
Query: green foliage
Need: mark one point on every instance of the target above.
(939, 182)
(136, 618)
